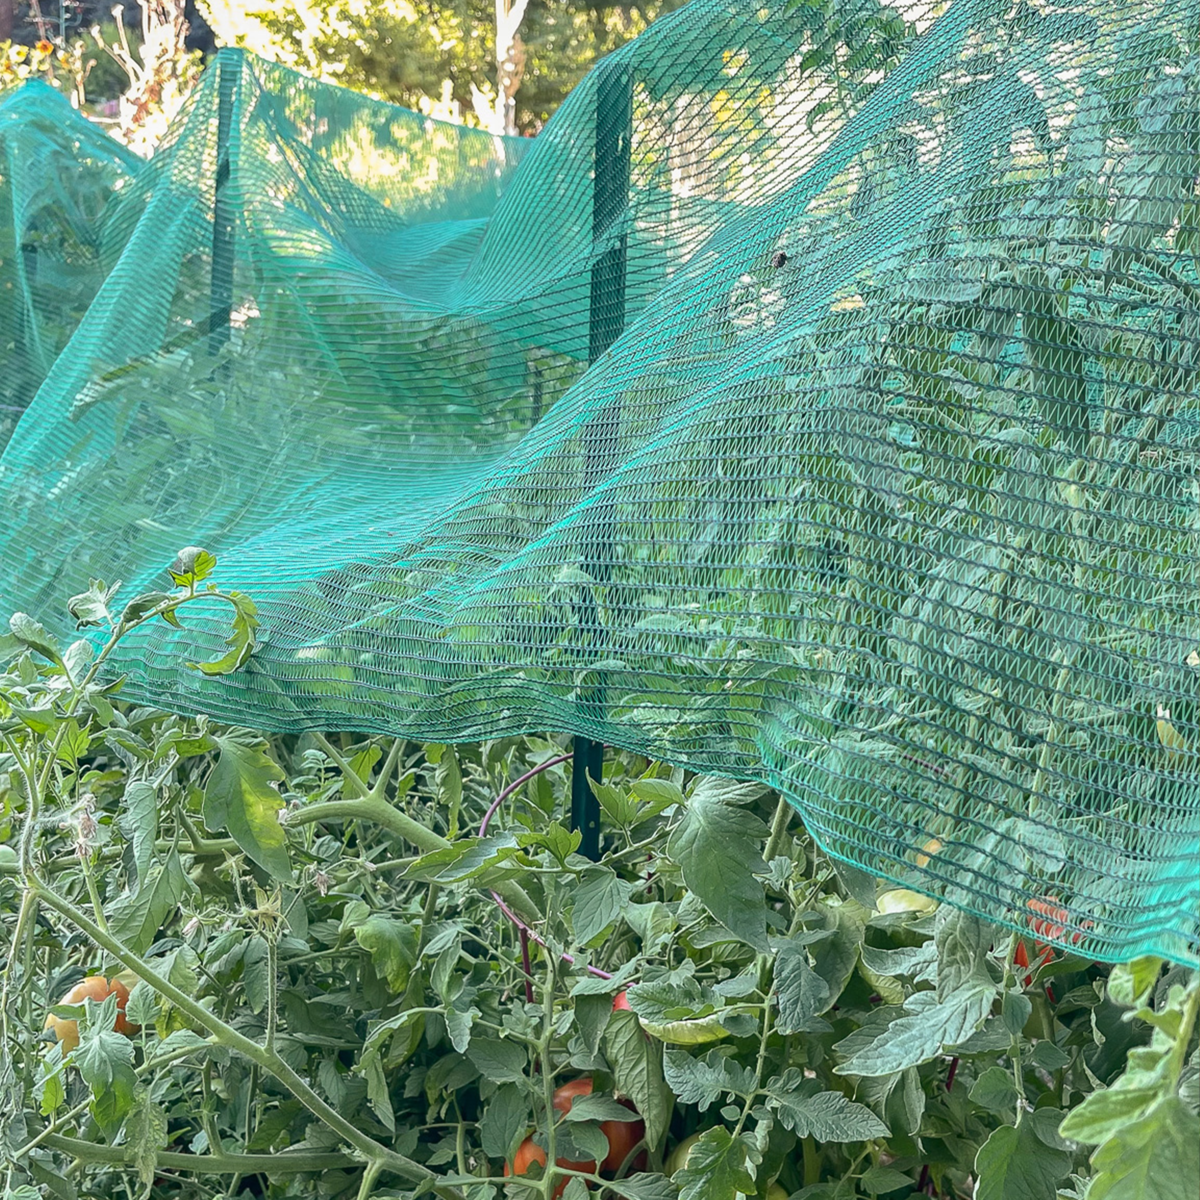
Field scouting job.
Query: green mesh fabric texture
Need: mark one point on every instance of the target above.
(62, 181)
(813, 401)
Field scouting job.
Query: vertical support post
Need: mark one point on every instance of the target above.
(606, 322)
(229, 68)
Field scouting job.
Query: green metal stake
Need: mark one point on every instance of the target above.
(606, 322)
(229, 69)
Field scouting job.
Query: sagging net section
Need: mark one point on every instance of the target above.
(813, 401)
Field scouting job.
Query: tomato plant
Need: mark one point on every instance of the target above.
(339, 989)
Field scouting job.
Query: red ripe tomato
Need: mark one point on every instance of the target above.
(1051, 924)
(529, 1152)
(622, 1135)
(621, 1001)
(97, 988)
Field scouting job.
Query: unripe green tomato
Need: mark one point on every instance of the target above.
(678, 1157)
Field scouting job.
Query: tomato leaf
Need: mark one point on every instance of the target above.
(33, 636)
(716, 845)
(700, 1081)
(718, 1168)
(801, 992)
(826, 1116)
(1016, 1163)
(921, 1033)
(392, 946)
(145, 1133)
(136, 920)
(242, 640)
(1156, 1157)
(637, 1069)
(504, 1121)
(499, 1059)
(139, 823)
(600, 899)
(645, 1186)
(192, 564)
(239, 798)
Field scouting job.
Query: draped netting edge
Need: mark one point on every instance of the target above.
(813, 401)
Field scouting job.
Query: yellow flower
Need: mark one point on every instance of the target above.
(44, 47)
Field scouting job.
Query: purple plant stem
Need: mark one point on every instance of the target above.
(528, 965)
(951, 1073)
(512, 787)
(523, 930)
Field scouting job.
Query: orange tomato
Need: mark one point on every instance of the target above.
(621, 1001)
(622, 1135)
(97, 988)
(529, 1152)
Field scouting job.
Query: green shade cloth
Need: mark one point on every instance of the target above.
(886, 495)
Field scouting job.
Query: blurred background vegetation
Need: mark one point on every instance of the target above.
(503, 64)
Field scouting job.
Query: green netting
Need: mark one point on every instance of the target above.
(62, 182)
(881, 486)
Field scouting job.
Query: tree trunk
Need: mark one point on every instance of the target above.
(6, 20)
(510, 63)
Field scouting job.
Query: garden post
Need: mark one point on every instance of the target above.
(229, 72)
(606, 322)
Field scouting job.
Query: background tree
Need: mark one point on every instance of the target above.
(441, 56)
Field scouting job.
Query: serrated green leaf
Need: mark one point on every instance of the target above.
(145, 1134)
(1015, 1163)
(962, 942)
(378, 1094)
(654, 796)
(995, 1091)
(1156, 1157)
(33, 636)
(1129, 984)
(142, 1007)
(242, 640)
(392, 946)
(598, 902)
(136, 920)
(239, 799)
(139, 823)
(645, 1186)
(256, 967)
(920, 1035)
(636, 1063)
(826, 1116)
(192, 565)
(104, 1059)
(91, 607)
(504, 1122)
(880, 1180)
(560, 842)
(801, 993)
(499, 1059)
(718, 1168)
(1105, 1113)
(716, 846)
(701, 1081)
(599, 1106)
